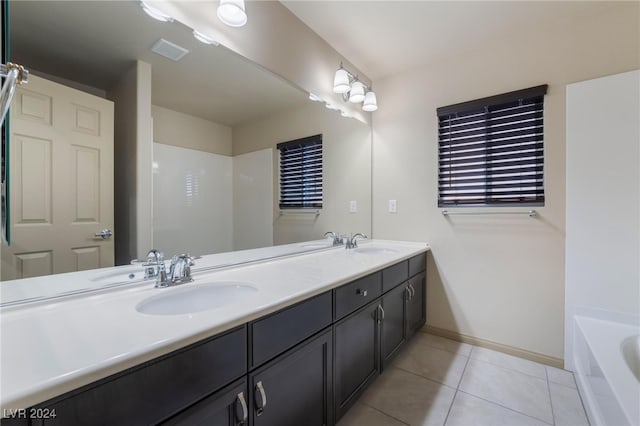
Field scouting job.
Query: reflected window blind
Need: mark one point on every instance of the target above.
(301, 173)
(491, 150)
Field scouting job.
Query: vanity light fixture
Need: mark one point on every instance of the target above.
(204, 38)
(232, 12)
(354, 90)
(155, 13)
(314, 97)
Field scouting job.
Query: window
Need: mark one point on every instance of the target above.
(491, 150)
(301, 173)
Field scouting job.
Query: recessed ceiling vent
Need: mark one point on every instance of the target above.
(169, 50)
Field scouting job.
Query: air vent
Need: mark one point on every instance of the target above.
(169, 50)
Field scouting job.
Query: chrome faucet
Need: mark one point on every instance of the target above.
(352, 242)
(153, 265)
(180, 270)
(337, 238)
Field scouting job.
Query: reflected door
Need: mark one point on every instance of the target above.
(61, 181)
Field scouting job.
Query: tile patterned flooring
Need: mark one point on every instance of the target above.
(437, 381)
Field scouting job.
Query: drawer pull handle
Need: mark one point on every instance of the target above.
(408, 293)
(262, 401)
(381, 313)
(413, 290)
(361, 292)
(242, 413)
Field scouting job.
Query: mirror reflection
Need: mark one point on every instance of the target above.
(89, 190)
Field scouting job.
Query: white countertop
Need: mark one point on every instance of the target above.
(49, 348)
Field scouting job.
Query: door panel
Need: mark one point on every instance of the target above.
(357, 355)
(61, 181)
(295, 389)
(394, 323)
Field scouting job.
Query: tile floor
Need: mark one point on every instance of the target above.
(437, 381)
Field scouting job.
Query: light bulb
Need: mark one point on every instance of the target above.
(341, 81)
(204, 38)
(356, 94)
(232, 13)
(370, 102)
(155, 13)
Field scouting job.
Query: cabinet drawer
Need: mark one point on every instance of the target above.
(394, 275)
(157, 389)
(228, 406)
(351, 296)
(417, 264)
(278, 332)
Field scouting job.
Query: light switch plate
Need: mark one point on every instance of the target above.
(393, 206)
(353, 206)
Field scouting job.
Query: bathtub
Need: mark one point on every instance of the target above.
(607, 364)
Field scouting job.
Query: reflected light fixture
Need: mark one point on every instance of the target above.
(204, 38)
(370, 102)
(354, 90)
(155, 13)
(232, 13)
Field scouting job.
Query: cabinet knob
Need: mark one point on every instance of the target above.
(242, 414)
(361, 292)
(260, 398)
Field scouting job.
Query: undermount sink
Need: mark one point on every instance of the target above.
(375, 250)
(195, 298)
(317, 245)
(130, 275)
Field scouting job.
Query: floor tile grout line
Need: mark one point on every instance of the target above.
(505, 407)
(446, 350)
(455, 395)
(383, 412)
(512, 369)
(553, 411)
(423, 377)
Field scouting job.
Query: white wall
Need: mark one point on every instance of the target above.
(179, 129)
(192, 201)
(346, 150)
(495, 278)
(133, 140)
(253, 199)
(603, 199)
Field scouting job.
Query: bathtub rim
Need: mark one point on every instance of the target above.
(608, 362)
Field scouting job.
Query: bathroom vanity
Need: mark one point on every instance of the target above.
(300, 350)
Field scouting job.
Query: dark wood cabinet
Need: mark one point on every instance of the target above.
(305, 364)
(394, 323)
(226, 407)
(156, 390)
(296, 388)
(417, 313)
(357, 355)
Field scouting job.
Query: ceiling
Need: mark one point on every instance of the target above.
(94, 42)
(387, 37)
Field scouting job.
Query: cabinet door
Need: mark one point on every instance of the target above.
(296, 388)
(357, 355)
(417, 303)
(394, 321)
(227, 407)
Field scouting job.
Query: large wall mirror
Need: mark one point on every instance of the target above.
(216, 120)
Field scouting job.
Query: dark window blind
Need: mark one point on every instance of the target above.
(301, 173)
(491, 150)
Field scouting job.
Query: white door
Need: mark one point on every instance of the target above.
(61, 181)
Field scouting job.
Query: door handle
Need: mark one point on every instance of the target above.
(408, 293)
(261, 398)
(104, 234)
(413, 290)
(381, 310)
(242, 413)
